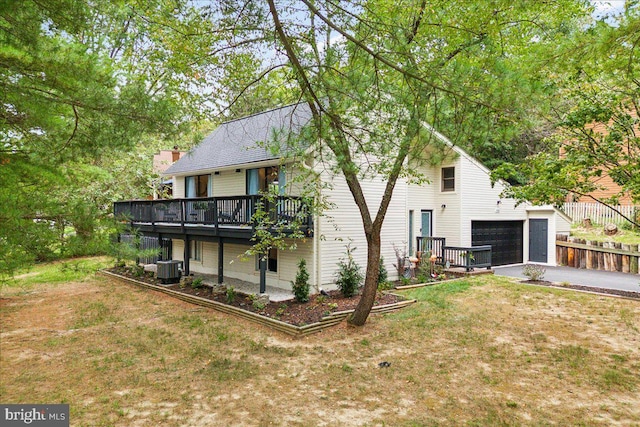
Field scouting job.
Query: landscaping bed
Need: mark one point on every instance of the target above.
(319, 309)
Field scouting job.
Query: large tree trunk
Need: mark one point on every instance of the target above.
(368, 296)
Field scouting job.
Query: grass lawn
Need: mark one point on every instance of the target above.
(477, 352)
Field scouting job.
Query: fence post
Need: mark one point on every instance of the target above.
(626, 259)
(571, 253)
(633, 262)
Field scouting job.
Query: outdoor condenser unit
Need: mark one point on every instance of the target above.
(169, 271)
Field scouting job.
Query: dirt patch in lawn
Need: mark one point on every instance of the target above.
(605, 291)
(290, 311)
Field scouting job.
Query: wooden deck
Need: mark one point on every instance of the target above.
(232, 217)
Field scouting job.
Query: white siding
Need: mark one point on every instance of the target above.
(229, 183)
(342, 224)
(177, 249)
(428, 196)
(479, 201)
(556, 223)
(178, 187)
(239, 266)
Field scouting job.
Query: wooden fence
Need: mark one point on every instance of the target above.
(593, 255)
(599, 213)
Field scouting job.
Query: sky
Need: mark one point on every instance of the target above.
(607, 7)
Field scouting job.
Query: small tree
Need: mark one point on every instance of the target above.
(349, 275)
(383, 275)
(301, 285)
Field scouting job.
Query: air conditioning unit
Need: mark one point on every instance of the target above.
(169, 271)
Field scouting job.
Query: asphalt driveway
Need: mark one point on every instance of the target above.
(576, 276)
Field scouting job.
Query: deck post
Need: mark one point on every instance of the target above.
(220, 261)
(263, 272)
(187, 255)
(161, 246)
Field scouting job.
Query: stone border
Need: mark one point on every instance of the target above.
(296, 331)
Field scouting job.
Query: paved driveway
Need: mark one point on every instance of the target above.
(576, 276)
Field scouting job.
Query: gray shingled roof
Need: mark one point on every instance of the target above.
(237, 142)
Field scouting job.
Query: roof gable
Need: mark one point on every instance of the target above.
(239, 141)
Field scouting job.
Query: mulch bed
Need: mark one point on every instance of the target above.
(606, 291)
(291, 312)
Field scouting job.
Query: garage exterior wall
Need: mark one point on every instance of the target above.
(480, 199)
(557, 224)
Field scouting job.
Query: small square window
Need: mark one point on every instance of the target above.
(449, 179)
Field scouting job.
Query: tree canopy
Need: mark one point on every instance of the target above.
(81, 84)
(379, 75)
(598, 120)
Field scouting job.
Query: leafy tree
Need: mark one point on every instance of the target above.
(81, 81)
(379, 76)
(395, 67)
(598, 127)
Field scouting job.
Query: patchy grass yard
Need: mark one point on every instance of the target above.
(482, 351)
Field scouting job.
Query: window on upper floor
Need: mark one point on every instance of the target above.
(448, 179)
(197, 186)
(261, 179)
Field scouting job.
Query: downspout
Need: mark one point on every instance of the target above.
(316, 238)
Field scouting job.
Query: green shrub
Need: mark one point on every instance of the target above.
(301, 285)
(349, 275)
(383, 275)
(534, 271)
(137, 270)
(197, 283)
(258, 305)
(231, 294)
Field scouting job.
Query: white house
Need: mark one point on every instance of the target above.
(217, 186)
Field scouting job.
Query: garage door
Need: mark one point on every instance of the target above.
(505, 238)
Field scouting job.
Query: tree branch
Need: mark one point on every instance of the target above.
(387, 62)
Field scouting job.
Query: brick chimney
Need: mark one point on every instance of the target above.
(175, 154)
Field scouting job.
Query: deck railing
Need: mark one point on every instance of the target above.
(454, 256)
(216, 211)
(428, 246)
(467, 257)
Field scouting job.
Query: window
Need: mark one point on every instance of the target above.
(198, 186)
(449, 179)
(272, 261)
(261, 179)
(195, 250)
(411, 232)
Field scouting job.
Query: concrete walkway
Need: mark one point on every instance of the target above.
(577, 276)
(275, 294)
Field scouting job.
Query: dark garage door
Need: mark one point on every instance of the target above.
(505, 238)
